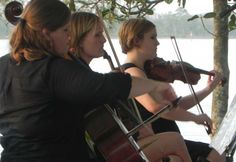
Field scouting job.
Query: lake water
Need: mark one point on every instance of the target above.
(198, 52)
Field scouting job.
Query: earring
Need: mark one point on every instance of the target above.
(72, 50)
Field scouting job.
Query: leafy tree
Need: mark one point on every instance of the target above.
(220, 95)
(222, 27)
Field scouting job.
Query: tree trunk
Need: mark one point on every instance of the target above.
(220, 94)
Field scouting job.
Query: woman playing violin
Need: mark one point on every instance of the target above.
(87, 41)
(138, 40)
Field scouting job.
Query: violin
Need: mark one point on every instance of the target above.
(161, 70)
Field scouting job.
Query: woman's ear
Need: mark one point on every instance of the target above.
(72, 50)
(137, 42)
(46, 34)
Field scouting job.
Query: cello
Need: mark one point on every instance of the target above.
(110, 136)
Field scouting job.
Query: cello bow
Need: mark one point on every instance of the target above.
(116, 58)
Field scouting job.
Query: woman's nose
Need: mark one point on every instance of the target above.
(69, 37)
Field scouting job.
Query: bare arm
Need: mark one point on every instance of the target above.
(189, 101)
(155, 100)
(147, 99)
(143, 85)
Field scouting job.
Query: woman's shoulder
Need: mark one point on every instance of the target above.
(5, 57)
(128, 65)
(133, 69)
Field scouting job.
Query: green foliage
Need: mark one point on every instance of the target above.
(209, 15)
(168, 1)
(122, 9)
(193, 17)
(114, 11)
(149, 12)
(183, 2)
(177, 24)
(4, 2)
(232, 24)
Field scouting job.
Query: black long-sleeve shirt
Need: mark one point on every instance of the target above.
(42, 105)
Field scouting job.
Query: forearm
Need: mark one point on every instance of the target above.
(189, 101)
(180, 115)
(142, 85)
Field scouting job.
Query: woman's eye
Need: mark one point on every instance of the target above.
(99, 34)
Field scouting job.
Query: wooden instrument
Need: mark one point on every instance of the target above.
(109, 135)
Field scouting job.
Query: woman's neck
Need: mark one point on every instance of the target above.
(135, 58)
(86, 58)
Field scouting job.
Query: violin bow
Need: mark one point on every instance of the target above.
(177, 51)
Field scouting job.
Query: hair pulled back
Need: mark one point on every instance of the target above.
(27, 40)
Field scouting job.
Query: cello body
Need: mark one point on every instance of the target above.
(107, 132)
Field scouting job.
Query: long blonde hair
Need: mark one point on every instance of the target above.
(27, 41)
(81, 23)
(133, 29)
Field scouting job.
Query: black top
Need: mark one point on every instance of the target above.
(42, 104)
(159, 125)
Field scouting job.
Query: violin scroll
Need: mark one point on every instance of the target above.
(12, 12)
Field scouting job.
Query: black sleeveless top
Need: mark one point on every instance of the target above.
(160, 125)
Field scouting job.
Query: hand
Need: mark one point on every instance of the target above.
(203, 119)
(215, 80)
(145, 131)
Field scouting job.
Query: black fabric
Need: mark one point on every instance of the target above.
(202, 159)
(42, 104)
(127, 65)
(197, 150)
(166, 159)
(164, 125)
